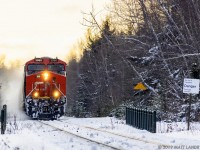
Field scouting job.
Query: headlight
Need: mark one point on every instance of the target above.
(56, 94)
(46, 76)
(36, 94)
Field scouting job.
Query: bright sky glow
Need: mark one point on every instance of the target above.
(30, 28)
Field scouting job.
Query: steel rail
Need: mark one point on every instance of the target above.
(67, 132)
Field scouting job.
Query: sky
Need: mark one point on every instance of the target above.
(30, 28)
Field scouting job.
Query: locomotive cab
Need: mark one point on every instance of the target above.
(45, 88)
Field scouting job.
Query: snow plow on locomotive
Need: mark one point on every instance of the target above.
(45, 88)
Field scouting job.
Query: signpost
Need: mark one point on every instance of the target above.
(190, 86)
(140, 87)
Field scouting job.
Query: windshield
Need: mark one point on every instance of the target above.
(36, 67)
(56, 67)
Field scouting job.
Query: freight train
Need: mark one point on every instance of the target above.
(45, 88)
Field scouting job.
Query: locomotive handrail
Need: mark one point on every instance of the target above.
(40, 83)
(33, 89)
(59, 90)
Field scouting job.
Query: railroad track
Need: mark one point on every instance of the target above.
(71, 133)
(117, 134)
(121, 138)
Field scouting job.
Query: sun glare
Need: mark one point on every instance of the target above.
(30, 28)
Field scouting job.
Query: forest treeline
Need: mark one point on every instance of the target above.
(150, 41)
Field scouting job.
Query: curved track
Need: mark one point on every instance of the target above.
(116, 134)
(118, 139)
(67, 132)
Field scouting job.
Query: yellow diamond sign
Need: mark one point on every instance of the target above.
(140, 86)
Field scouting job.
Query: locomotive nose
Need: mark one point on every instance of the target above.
(44, 87)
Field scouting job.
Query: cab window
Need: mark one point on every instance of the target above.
(36, 67)
(59, 68)
(33, 68)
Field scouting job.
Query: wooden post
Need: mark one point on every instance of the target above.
(3, 119)
(189, 111)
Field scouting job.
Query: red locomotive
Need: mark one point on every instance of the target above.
(45, 88)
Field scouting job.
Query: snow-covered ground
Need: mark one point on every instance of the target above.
(69, 133)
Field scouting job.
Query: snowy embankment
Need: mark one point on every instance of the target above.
(63, 134)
